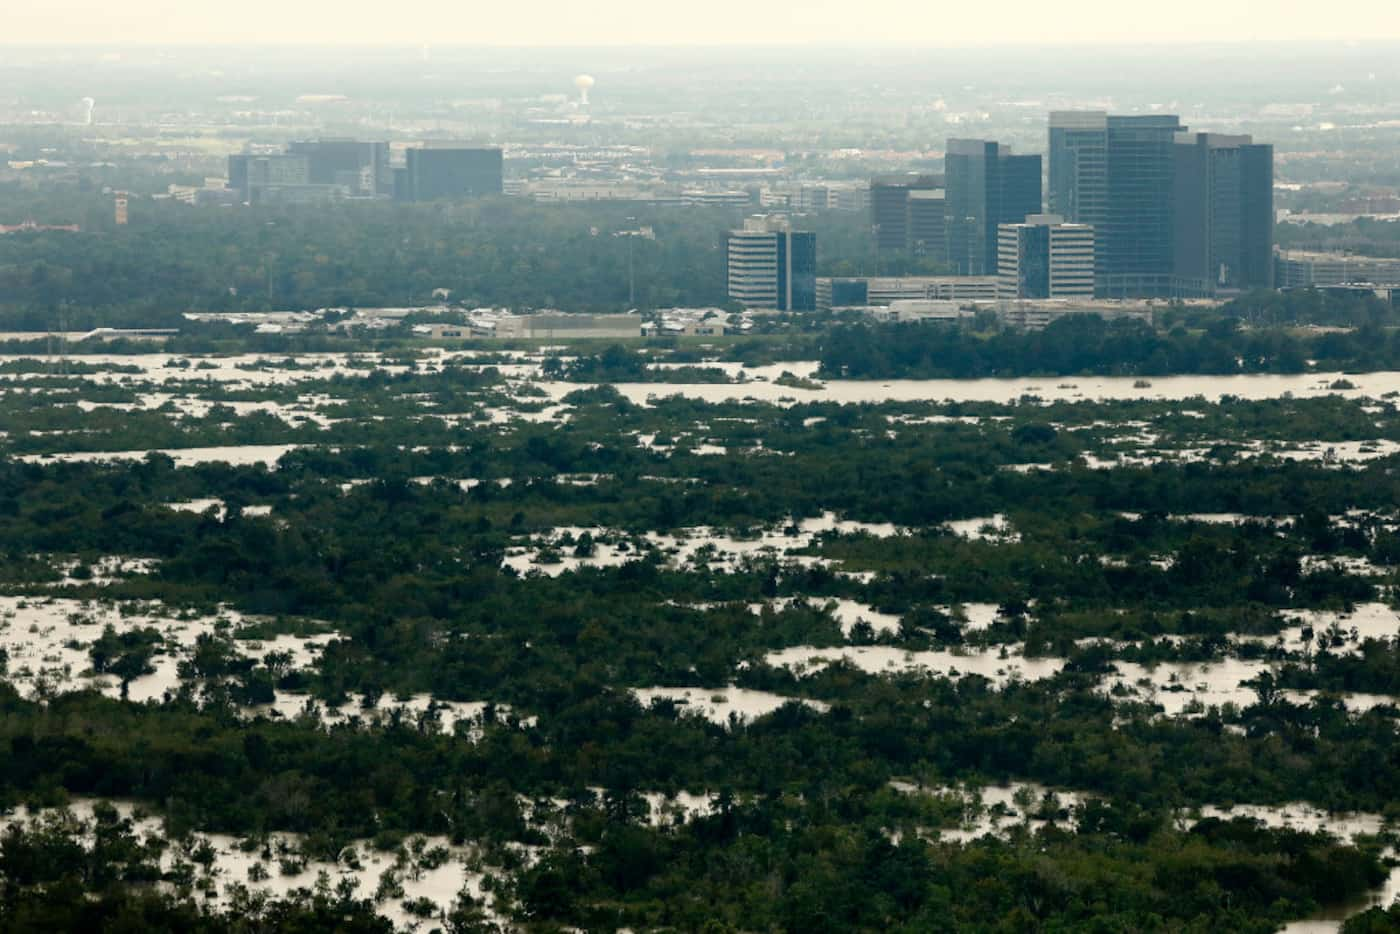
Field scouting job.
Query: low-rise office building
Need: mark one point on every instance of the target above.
(1034, 315)
(549, 325)
(862, 291)
(769, 265)
(1044, 257)
(924, 310)
(1298, 269)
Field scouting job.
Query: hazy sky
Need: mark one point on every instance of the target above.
(610, 22)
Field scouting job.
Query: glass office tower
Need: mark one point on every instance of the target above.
(449, 171)
(1078, 170)
(1222, 214)
(987, 186)
(1136, 236)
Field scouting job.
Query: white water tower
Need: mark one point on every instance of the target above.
(584, 83)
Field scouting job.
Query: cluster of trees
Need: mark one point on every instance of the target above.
(1086, 344)
(1307, 306)
(495, 252)
(1366, 235)
(499, 252)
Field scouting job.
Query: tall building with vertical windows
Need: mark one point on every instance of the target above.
(1078, 169)
(768, 265)
(928, 223)
(1222, 214)
(1044, 257)
(987, 186)
(901, 214)
(1175, 213)
(441, 171)
(1135, 237)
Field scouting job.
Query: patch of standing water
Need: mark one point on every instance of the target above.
(48, 642)
(1008, 391)
(553, 553)
(977, 616)
(996, 809)
(846, 612)
(717, 704)
(991, 528)
(999, 665)
(241, 455)
(108, 569)
(1365, 621)
(1186, 687)
(421, 868)
(560, 550)
(419, 710)
(219, 507)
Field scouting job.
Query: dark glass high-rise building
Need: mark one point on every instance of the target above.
(799, 279)
(360, 167)
(450, 171)
(1257, 216)
(1135, 238)
(1222, 214)
(928, 223)
(987, 186)
(900, 213)
(1175, 213)
(1078, 170)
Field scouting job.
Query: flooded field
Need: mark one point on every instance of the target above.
(463, 562)
(722, 703)
(411, 885)
(49, 645)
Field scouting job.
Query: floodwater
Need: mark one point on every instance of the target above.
(49, 640)
(422, 867)
(996, 809)
(418, 710)
(237, 455)
(552, 553)
(1006, 391)
(990, 528)
(716, 704)
(998, 665)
